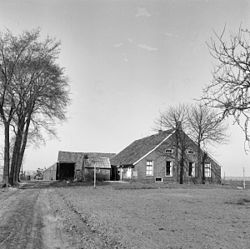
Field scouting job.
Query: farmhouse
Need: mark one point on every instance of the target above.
(156, 158)
(79, 166)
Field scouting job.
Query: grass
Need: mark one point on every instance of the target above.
(239, 201)
(172, 216)
(235, 183)
(132, 185)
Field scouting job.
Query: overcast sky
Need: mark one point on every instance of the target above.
(127, 60)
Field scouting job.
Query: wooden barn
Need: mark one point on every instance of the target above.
(49, 174)
(156, 159)
(80, 165)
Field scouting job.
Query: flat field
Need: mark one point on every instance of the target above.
(166, 218)
(125, 216)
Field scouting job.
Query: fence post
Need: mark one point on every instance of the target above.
(94, 176)
(244, 181)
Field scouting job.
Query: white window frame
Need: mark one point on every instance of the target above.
(150, 172)
(208, 170)
(171, 169)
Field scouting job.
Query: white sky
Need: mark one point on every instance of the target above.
(127, 60)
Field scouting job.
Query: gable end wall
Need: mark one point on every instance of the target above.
(159, 158)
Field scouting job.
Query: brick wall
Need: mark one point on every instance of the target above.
(159, 158)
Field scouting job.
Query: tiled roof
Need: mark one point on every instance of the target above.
(98, 162)
(52, 167)
(139, 148)
(68, 156)
(96, 158)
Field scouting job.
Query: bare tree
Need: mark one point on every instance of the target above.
(36, 92)
(204, 127)
(229, 90)
(193, 125)
(175, 117)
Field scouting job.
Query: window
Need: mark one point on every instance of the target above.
(207, 169)
(169, 165)
(169, 151)
(149, 168)
(129, 173)
(159, 179)
(135, 174)
(191, 169)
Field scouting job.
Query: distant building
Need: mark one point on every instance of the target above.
(154, 158)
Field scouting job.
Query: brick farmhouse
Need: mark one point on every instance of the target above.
(155, 158)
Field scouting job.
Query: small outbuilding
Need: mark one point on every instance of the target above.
(80, 165)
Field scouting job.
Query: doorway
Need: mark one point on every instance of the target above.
(65, 171)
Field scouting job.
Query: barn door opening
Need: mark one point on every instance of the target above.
(66, 171)
(114, 174)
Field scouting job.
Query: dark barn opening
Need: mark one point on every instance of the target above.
(114, 176)
(65, 171)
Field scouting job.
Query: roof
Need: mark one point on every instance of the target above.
(139, 148)
(52, 167)
(98, 162)
(67, 156)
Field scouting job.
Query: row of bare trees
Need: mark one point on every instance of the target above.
(33, 94)
(198, 122)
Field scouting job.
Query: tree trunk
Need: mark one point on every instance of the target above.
(181, 169)
(177, 163)
(204, 157)
(6, 154)
(177, 154)
(22, 149)
(199, 166)
(182, 145)
(16, 153)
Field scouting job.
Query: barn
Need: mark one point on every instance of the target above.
(49, 174)
(80, 165)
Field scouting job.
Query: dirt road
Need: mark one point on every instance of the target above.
(20, 223)
(41, 218)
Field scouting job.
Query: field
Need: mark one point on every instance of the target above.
(128, 216)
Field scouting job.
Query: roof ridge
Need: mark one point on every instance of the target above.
(83, 152)
(155, 134)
